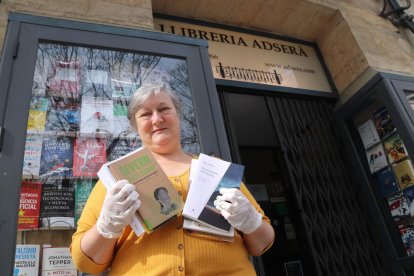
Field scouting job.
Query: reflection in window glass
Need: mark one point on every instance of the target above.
(78, 121)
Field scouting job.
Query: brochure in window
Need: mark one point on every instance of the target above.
(383, 122)
(394, 147)
(376, 158)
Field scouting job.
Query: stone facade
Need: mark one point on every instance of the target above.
(350, 34)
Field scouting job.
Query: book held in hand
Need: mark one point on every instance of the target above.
(160, 201)
(210, 175)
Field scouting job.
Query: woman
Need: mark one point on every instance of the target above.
(105, 240)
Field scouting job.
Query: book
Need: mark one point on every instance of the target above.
(83, 188)
(376, 158)
(57, 261)
(404, 173)
(89, 154)
(399, 207)
(96, 117)
(160, 201)
(63, 117)
(29, 206)
(65, 80)
(37, 116)
(387, 183)
(97, 81)
(32, 154)
(409, 196)
(407, 237)
(394, 148)
(121, 126)
(383, 122)
(58, 204)
(26, 260)
(120, 147)
(368, 133)
(211, 174)
(122, 89)
(56, 157)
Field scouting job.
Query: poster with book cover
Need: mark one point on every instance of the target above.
(404, 173)
(394, 148)
(89, 155)
(63, 117)
(83, 188)
(32, 154)
(27, 259)
(57, 261)
(96, 117)
(399, 207)
(37, 116)
(383, 123)
(65, 80)
(376, 158)
(122, 89)
(97, 81)
(210, 175)
(387, 183)
(407, 237)
(29, 206)
(368, 133)
(160, 201)
(121, 125)
(58, 204)
(120, 147)
(56, 157)
(409, 196)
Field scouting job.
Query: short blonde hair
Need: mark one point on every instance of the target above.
(144, 93)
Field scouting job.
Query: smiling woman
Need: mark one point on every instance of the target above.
(105, 240)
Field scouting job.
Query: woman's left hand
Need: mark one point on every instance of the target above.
(238, 210)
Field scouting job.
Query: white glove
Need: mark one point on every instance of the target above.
(237, 210)
(120, 204)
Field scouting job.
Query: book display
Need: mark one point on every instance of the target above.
(78, 121)
(57, 261)
(27, 259)
(392, 168)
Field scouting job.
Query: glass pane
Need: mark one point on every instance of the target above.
(391, 169)
(78, 121)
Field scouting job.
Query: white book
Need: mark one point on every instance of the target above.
(26, 261)
(368, 133)
(57, 261)
(96, 117)
(210, 175)
(197, 226)
(32, 154)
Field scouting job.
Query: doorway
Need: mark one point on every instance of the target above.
(254, 143)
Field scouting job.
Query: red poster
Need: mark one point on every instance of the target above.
(88, 157)
(29, 207)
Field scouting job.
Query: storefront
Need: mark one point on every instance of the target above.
(262, 100)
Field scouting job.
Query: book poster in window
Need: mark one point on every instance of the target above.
(368, 133)
(387, 183)
(407, 236)
(404, 173)
(394, 147)
(376, 158)
(383, 123)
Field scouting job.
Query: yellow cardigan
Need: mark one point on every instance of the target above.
(170, 250)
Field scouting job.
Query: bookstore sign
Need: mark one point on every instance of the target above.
(256, 59)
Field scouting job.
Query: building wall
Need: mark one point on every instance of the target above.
(350, 34)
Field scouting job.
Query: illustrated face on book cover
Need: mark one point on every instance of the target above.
(161, 195)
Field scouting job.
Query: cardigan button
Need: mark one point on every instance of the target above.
(180, 268)
(180, 193)
(180, 246)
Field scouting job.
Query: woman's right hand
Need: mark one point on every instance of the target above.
(120, 204)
